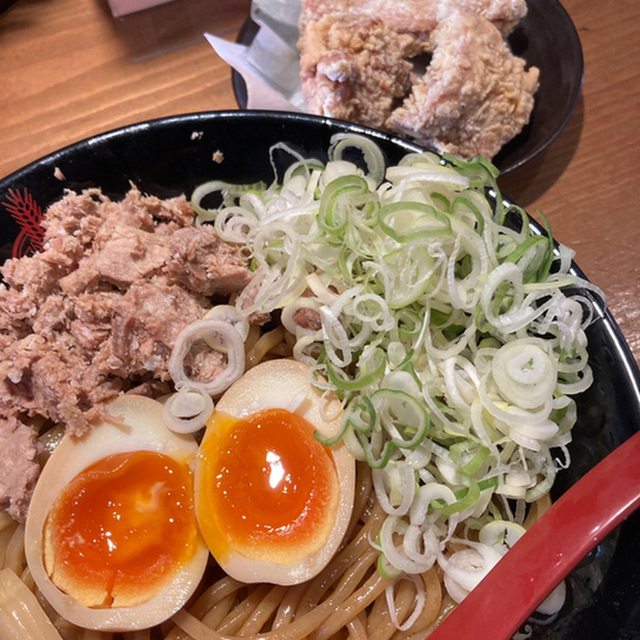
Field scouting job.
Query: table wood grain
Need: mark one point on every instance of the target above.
(69, 70)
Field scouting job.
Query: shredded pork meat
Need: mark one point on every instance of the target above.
(19, 468)
(96, 313)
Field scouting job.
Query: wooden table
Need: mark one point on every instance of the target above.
(69, 70)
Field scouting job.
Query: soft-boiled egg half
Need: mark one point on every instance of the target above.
(272, 502)
(111, 537)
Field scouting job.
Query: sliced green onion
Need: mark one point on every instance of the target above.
(341, 144)
(338, 199)
(408, 221)
(476, 462)
(386, 569)
(361, 415)
(466, 498)
(227, 191)
(367, 375)
(377, 457)
(404, 418)
(187, 410)
(453, 347)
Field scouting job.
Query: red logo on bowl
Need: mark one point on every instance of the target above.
(28, 214)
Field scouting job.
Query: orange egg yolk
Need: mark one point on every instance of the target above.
(265, 487)
(121, 529)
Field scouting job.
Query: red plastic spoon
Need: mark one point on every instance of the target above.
(550, 549)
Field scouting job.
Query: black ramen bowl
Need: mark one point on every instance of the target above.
(172, 156)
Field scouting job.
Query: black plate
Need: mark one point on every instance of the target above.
(171, 156)
(546, 38)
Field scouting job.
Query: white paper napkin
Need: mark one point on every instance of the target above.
(270, 65)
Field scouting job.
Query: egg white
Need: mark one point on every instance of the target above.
(137, 425)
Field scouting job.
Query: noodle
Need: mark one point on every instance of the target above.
(537, 509)
(355, 604)
(431, 608)
(7, 530)
(14, 552)
(221, 590)
(194, 628)
(215, 615)
(357, 629)
(404, 602)
(252, 337)
(234, 622)
(264, 345)
(20, 614)
(289, 606)
(268, 605)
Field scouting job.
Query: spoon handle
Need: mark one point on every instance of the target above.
(550, 549)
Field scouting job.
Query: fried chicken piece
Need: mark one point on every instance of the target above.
(475, 95)
(504, 14)
(353, 68)
(418, 17)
